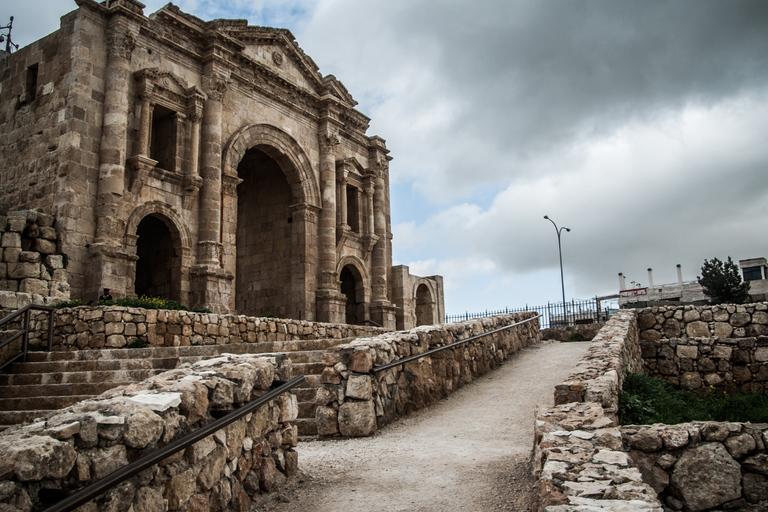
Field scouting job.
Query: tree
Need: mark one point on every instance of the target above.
(721, 282)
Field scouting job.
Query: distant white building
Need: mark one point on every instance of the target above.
(754, 270)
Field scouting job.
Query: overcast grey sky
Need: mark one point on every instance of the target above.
(640, 125)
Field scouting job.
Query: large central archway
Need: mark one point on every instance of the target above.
(264, 238)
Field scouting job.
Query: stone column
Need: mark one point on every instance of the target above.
(209, 213)
(369, 189)
(304, 265)
(212, 284)
(114, 133)
(145, 121)
(330, 302)
(111, 267)
(178, 147)
(341, 214)
(192, 179)
(382, 311)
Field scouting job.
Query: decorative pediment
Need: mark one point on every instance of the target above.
(165, 88)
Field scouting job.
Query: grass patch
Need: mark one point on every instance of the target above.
(144, 302)
(645, 400)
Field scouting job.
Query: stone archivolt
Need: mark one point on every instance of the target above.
(204, 162)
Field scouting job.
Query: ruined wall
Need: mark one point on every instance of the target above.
(91, 439)
(583, 459)
(725, 364)
(420, 299)
(579, 457)
(703, 465)
(85, 328)
(721, 321)
(588, 331)
(355, 401)
(31, 265)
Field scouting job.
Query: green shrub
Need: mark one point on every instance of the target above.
(645, 400)
(144, 302)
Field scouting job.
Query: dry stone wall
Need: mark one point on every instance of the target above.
(89, 440)
(85, 328)
(588, 331)
(722, 346)
(32, 270)
(720, 321)
(579, 457)
(726, 364)
(355, 401)
(703, 465)
(584, 461)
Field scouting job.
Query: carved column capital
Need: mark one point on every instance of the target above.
(121, 44)
(215, 87)
(230, 183)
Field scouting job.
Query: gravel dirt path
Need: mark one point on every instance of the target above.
(469, 452)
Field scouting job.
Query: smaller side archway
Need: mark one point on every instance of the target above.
(160, 244)
(354, 290)
(425, 305)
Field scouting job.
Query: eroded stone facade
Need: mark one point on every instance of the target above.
(205, 162)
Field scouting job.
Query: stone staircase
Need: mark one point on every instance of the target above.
(54, 380)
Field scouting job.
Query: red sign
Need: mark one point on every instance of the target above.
(634, 292)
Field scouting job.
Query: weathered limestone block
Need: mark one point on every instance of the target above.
(37, 457)
(357, 419)
(697, 329)
(44, 246)
(180, 489)
(24, 271)
(327, 421)
(106, 460)
(34, 286)
(209, 469)
(359, 386)
(288, 406)
(740, 319)
(723, 329)
(271, 479)
(707, 476)
(739, 446)
(360, 362)
(688, 351)
(11, 239)
(29, 257)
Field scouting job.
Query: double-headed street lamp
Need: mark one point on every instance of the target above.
(560, 250)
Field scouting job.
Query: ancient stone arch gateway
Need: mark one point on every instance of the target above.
(205, 162)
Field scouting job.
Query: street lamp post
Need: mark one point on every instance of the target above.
(560, 250)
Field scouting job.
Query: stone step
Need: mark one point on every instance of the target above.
(307, 427)
(194, 350)
(8, 418)
(307, 410)
(305, 394)
(307, 369)
(32, 379)
(95, 365)
(61, 390)
(40, 403)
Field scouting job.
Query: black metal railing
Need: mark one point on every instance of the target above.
(449, 345)
(553, 314)
(117, 477)
(23, 332)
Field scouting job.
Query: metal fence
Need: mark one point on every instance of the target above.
(554, 314)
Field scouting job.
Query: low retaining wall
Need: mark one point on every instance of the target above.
(579, 457)
(588, 331)
(696, 363)
(703, 465)
(721, 321)
(584, 461)
(85, 328)
(91, 439)
(355, 401)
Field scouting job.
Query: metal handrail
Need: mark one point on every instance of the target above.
(25, 331)
(429, 352)
(117, 477)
